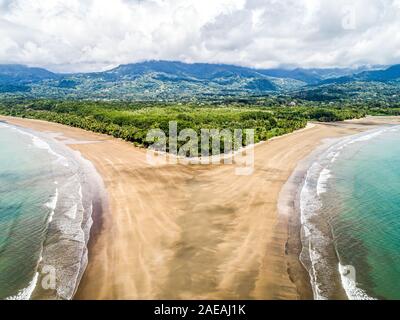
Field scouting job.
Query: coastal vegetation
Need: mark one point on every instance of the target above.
(129, 100)
(132, 121)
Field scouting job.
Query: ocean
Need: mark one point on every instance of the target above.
(47, 194)
(350, 215)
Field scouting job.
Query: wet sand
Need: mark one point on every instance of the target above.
(196, 232)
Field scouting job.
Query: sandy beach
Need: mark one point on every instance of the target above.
(197, 232)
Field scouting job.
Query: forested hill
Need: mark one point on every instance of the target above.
(171, 80)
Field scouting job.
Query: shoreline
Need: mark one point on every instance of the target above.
(78, 196)
(320, 255)
(144, 245)
(290, 203)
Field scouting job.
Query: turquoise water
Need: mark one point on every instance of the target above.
(26, 185)
(47, 193)
(350, 209)
(366, 183)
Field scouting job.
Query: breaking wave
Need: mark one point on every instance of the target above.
(317, 238)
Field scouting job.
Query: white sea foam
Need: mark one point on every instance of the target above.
(72, 211)
(40, 143)
(26, 293)
(309, 206)
(350, 286)
(315, 184)
(70, 218)
(5, 125)
(52, 204)
(315, 257)
(324, 176)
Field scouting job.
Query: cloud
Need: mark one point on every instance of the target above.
(87, 35)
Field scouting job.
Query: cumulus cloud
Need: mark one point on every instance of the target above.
(87, 35)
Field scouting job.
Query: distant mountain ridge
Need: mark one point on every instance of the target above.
(390, 74)
(169, 80)
(208, 71)
(23, 73)
(18, 78)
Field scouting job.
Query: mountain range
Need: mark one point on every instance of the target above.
(171, 80)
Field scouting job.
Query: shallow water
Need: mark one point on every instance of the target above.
(45, 216)
(366, 185)
(26, 185)
(351, 213)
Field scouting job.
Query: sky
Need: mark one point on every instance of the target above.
(95, 35)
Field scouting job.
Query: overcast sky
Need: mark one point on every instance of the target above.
(87, 35)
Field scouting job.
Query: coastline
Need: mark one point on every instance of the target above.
(197, 232)
(76, 193)
(290, 203)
